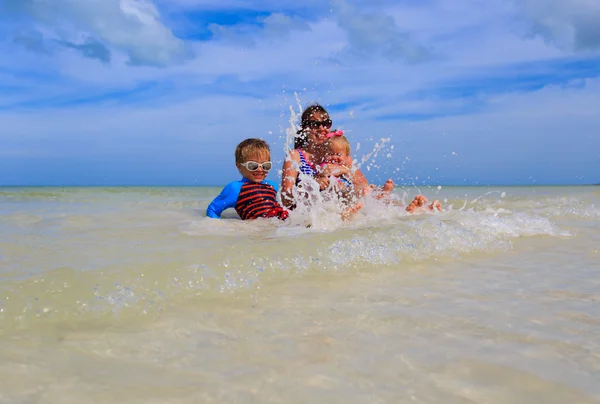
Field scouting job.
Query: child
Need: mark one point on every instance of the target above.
(335, 160)
(252, 196)
(337, 153)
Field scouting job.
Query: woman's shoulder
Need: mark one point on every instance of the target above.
(294, 154)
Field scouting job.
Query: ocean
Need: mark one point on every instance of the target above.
(131, 295)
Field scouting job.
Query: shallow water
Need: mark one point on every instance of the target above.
(132, 295)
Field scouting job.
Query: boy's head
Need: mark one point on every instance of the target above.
(338, 150)
(253, 159)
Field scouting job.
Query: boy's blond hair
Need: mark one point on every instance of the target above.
(342, 140)
(250, 146)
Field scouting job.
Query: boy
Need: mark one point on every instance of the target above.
(252, 196)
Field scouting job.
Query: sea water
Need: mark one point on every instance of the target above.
(132, 295)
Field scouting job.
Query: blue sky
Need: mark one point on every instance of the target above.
(139, 92)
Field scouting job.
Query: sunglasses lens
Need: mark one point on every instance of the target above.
(315, 124)
(267, 165)
(252, 166)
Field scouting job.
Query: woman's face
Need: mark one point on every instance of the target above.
(316, 127)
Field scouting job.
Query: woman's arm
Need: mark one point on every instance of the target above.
(288, 178)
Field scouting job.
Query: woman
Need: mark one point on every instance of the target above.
(309, 143)
(315, 124)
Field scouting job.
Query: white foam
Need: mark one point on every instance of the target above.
(229, 226)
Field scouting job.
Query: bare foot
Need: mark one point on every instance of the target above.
(418, 202)
(350, 212)
(386, 190)
(435, 205)
(388, 186)
(365, 191)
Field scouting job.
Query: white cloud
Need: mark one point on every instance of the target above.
(570, 24)
(375, 33)
(133, 27)
(278, 25)
(273, 27)
(275, 5)
(558, 138)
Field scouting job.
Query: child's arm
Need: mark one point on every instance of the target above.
(332, 167)
(335, 169)
(226, 199)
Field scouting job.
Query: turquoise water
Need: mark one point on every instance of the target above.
(133, 295)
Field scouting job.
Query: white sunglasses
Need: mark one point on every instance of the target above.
(253, 165)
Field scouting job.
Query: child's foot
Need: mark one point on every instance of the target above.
(386, 190)
(435, 205)
(350, 212)
(388, 187)
(365, 191)
(418, 202)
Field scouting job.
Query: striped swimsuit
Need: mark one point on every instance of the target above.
(305, 166)
(251, 200)
(258, 200)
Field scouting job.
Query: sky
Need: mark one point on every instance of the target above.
(429, 92)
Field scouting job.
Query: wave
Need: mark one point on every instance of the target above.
(119, 277)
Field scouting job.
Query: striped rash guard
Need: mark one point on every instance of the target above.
(251, 200)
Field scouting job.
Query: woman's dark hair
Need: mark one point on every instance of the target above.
(300, 140)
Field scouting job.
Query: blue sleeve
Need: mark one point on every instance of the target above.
(226, 199)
